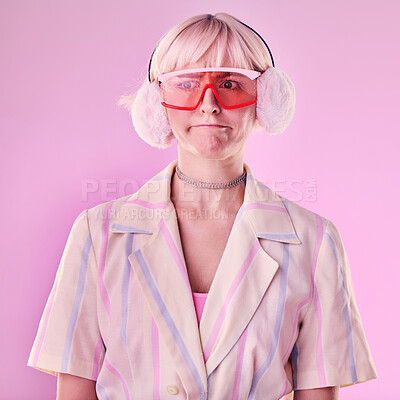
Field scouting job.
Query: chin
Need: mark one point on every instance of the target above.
(211, 147)
(213, 153)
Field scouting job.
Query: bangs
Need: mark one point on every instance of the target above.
(209, 42)
(206, 40)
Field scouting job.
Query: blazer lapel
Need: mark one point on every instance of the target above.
(241, 280)
(160, 268)
(245, 270)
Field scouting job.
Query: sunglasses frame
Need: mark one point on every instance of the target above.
(251, 74)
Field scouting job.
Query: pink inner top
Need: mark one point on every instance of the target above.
(199, 301)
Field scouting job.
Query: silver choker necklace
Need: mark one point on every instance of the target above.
(207, 185)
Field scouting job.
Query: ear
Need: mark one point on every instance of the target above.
(149, 117)
(276, 101)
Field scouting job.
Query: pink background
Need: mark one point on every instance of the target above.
(63, 67)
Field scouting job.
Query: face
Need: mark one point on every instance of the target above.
(210, 131)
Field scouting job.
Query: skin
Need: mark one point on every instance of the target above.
(328, 393)
(211, 154)
(71, 387)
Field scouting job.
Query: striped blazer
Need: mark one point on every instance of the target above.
(121, 310)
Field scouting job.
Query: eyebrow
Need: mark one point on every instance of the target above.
(222, 75)
(228, 74)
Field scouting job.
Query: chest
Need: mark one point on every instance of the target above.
(143, 326)
(203, 242)
(147, 292)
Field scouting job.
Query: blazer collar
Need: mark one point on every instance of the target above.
(141, 212)
(241, 280)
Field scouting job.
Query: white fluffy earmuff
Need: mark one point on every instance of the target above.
(149, 117)
(276, 100)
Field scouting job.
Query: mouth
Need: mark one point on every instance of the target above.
(205, 126)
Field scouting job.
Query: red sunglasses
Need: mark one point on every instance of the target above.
(232, 87)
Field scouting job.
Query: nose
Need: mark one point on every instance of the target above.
(209, 103)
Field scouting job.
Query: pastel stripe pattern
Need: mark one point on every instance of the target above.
(128, 229)
(346, 313)
(235, 284)
(156, 360)
(295, 326)
(277, 236)
(300, 306)
(278, 321)
(77, 303)
(113, 370)
(282, 392)
(102, 261)
(175, 252)
(125, 288)
(42, 332)
(317, 304)
(101, 392)
(96, 358)
(162, 177)
(122, 313)
(171, 325)
(239, 365)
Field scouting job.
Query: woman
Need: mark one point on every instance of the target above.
(125, 317)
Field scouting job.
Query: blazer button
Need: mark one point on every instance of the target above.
(172, 389)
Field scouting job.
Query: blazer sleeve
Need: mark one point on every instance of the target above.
(68, 339)
(331, 348)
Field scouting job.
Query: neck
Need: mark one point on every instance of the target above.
(185, 195)
(211, 170)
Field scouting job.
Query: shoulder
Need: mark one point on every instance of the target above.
(138, 209)
(303, 218)
(321, 234)
(282, 211)
(108, 209)
(307, 224)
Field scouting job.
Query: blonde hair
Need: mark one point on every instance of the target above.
(207, 40)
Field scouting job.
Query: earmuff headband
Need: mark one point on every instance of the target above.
(276, 99)
(269, 51)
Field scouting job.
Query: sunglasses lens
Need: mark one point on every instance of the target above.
(185, 90)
